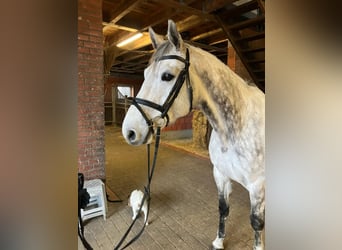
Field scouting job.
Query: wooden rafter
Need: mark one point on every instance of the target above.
(124, 9)
(208, 24)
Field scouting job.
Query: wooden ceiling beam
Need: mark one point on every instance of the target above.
(119, 27)
(207, 47)
(123, 9)
(241, 9)
(224, 40)
(253, 50)
(188, 23)
(216, 38)
(158, 19)
(188, 9)
(152, 20)
(117, 70)
(131, 65)
(133, 57)
(141, 42)
(210, 6)
(247, 23)
(206, 34)
(260, 35)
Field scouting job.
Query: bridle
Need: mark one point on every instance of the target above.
(163, 119)
(158, 122)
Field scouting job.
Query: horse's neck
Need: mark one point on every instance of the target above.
(218, 92)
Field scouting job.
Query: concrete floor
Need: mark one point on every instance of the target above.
(184, 206)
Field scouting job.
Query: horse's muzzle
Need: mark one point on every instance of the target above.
(136, 139)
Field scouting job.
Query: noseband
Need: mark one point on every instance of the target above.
(163, 119)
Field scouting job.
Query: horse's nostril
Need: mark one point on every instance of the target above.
(131, 135)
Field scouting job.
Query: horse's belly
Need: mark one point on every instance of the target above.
(232, 165)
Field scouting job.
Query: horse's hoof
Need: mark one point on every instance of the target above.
(214, 248)
(258, 248)
(218, 244)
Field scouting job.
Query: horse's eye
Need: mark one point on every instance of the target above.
(167, 77)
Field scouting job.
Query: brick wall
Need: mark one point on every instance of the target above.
(91, 160)
(182, 123)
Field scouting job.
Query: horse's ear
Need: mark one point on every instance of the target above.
(155, 38)
(173, 35)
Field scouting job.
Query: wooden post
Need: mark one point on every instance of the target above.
(235, 64)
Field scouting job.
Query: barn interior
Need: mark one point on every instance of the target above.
(184, 206)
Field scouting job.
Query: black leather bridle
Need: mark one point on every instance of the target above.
(183, 76)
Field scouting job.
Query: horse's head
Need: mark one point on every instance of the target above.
(165, 94)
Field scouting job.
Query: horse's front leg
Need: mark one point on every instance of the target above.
(224, 190)
(257, 216)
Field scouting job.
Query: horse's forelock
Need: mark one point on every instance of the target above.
(162, 50)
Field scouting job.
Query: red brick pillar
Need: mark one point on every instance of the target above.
(91, 154)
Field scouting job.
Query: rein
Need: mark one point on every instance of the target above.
(158, 122)
(147, 193)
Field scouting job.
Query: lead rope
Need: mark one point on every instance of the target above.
(147, 193)
(81, 232)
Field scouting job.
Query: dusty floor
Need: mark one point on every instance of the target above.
(184, 206)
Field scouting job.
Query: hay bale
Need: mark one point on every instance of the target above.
(199, 129)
